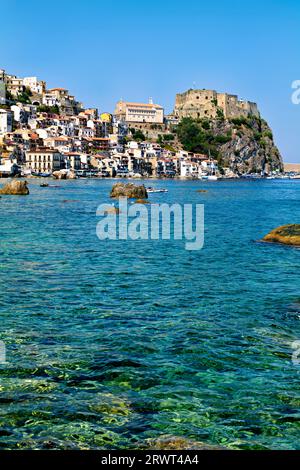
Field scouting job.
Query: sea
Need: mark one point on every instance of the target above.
(116, 344)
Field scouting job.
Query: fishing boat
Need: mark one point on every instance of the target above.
(156, 190)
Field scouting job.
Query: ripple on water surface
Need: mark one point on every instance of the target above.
(111, 344)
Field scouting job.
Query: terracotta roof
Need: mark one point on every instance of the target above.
(60, 139)
(72, 153)
(46, 150)
(143, 105)
(58, 89)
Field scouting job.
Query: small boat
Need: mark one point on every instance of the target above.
(212, 178)
(44, 185)
(156, 190)
(40, 174)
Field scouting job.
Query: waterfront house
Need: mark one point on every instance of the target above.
(44, 160)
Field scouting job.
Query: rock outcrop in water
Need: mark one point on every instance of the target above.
(15, 188)
(129, 190)
(286, 234)
(64, 175)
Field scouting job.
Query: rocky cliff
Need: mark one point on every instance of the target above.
(251, 147)
(245, 144)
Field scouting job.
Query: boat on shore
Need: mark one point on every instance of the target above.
(212, 178)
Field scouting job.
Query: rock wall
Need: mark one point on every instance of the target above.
(251, 148)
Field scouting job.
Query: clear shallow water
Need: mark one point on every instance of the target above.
(110, 343)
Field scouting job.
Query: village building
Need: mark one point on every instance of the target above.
(139, 112)
(44, 160)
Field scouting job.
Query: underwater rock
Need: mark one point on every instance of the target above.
(179, 443)
(129, 190)
(112, 210)
(141, 201)
(16, 188)
(286, 234)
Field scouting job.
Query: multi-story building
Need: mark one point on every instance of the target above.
(14, 84)
(73, 160)
(139, 112)
(60, 143)
(44, 160)
(60, 97)
(35, 85)
(6, 121)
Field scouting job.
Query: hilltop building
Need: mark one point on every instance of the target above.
(139, 112)
(61, 97)
(209, 104)
(35, 85)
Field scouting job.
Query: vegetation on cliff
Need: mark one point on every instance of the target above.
(244, 144)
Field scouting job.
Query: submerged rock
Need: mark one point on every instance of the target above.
(17, 188)
(286, 234)
(130, 190)
(112, 210)
(142, 201)
(179, 443)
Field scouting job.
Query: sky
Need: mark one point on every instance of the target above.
(106, 50)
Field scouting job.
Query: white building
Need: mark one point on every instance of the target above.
(190, 169)
(6, 121)
(44, 160)
(50, 100)
(35, 85)
(8, 167)
(140, 112)
(60, 143)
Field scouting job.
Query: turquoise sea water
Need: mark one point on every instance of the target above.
(111, 343)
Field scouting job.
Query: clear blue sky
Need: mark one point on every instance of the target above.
(106, 50)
